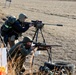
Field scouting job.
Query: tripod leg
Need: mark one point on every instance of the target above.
(34, 35)
(37, 35)
(42, 36)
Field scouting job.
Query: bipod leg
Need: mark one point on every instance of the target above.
(42, 36)
(50, 55)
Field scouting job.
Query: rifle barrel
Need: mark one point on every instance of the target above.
(50, 45)
(53, 24)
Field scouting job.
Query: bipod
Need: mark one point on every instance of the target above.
(35, 38)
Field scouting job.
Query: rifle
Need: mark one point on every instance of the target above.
(39, 24)
(43, 46)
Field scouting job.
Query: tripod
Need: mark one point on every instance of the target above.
(35, 37)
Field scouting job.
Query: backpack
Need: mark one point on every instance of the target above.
(7, 26)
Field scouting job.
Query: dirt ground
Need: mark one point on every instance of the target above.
(53, 12)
